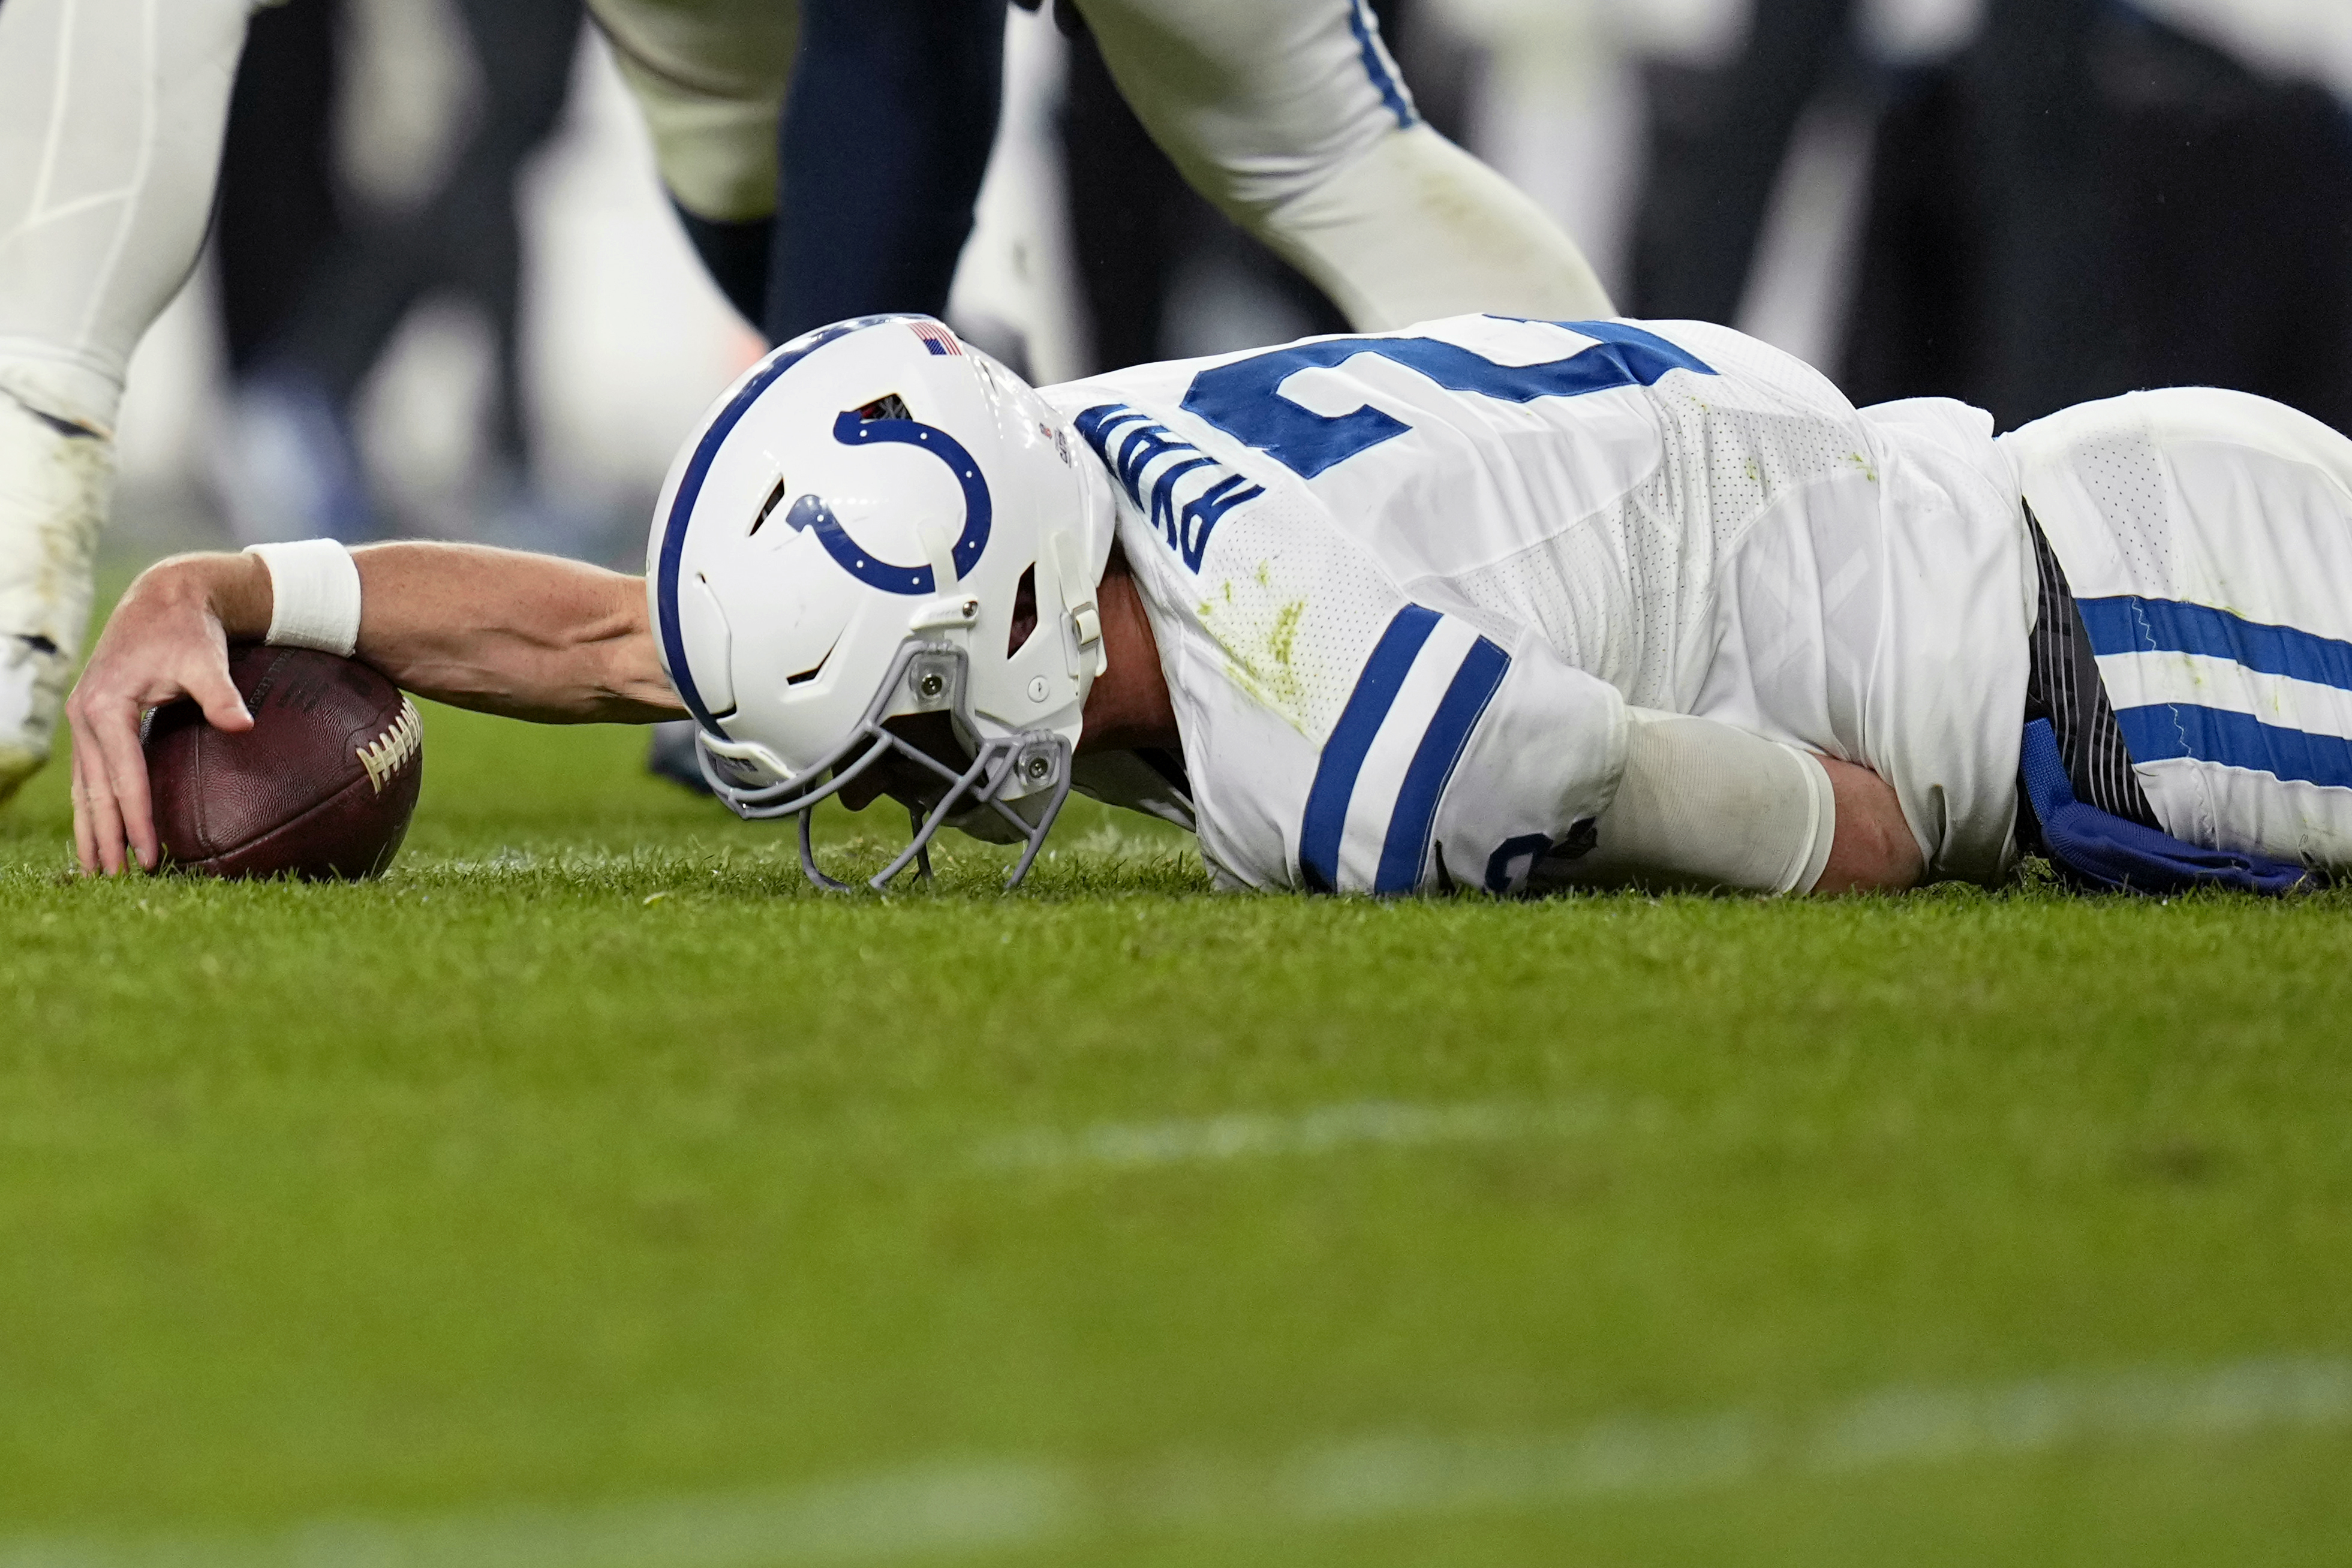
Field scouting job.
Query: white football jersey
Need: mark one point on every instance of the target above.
(1404, 585)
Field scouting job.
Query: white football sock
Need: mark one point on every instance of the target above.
(112, 113)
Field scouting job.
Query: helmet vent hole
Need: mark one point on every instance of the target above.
(769, 505)
(1024, 612)
(889, 405)
(805, 677)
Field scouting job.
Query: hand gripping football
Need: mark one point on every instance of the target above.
(321, 787)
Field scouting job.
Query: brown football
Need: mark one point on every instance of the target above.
(321, 786)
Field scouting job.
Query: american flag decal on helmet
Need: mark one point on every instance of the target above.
(936, 337)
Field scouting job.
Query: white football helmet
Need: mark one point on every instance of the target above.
(843, 541)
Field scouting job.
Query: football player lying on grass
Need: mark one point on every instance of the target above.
(1488, 603)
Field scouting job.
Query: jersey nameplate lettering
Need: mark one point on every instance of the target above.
(1131, 444)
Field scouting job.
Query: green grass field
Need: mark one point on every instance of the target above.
(590, 1192)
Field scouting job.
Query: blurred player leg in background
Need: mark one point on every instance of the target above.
(1135, 226)
(1138, 231)
(886, 136)
(851, 192)
(290, 469)
(281, 215)
(1290, 114)
(710, 77)
(111, 121)
(1717, 137)
(280, 212)
(1293, 119)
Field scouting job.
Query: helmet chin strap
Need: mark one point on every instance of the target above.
(938, 548)
(1089, 657)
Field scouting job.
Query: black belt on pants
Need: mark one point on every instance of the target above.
(2062, 685)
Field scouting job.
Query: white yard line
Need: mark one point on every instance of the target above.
(1123, 1146)
(970, 1507)
(1893, 1427)
(957, 1508)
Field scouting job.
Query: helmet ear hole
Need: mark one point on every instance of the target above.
(1025, 610)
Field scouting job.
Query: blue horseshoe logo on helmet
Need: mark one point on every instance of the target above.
(811, 511)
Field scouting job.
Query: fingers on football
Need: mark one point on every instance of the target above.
(126, 768)
(98, 818)
(85, 830)
(112, 772)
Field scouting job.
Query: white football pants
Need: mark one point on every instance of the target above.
(1288, 114)
(1291, 117)
(112, 113)
(2207, 536)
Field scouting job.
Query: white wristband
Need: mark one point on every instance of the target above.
(314, 595)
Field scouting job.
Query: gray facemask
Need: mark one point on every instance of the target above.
(1009, 780)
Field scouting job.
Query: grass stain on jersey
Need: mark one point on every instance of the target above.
(1283, 638)
(1259, 632)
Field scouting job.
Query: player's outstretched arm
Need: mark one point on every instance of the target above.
(529, 636)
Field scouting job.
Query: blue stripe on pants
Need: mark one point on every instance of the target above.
(2129, 624)
(1377, 68)
(2233, 739)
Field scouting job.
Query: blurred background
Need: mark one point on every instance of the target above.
(445, 294)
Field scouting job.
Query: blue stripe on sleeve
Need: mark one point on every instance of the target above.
(1407, 844)
(2128, 624)
(1378, 69)
(1326, 821)
(2233, 739)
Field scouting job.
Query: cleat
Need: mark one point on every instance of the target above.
(57, 475)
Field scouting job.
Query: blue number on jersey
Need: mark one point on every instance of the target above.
(1244, 399)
